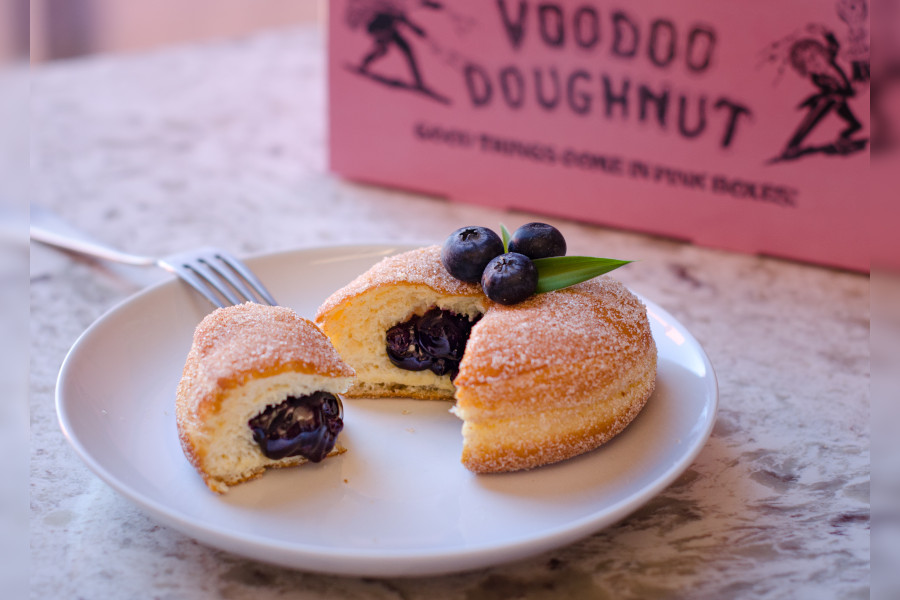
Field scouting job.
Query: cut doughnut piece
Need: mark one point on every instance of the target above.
(357, 318)
(259, 390)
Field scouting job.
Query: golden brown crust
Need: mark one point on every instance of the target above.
(220, 486)
(511, 443)
(556, 347)
(235, 344)
(554, 376)
(416, 267)
(254, 339)
(398, 391)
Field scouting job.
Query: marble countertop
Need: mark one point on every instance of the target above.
(224, 144)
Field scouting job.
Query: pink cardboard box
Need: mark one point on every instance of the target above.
(743, 126)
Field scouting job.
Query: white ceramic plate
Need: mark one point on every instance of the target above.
(398, 502)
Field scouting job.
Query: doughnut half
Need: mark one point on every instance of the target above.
(554, 376)
(540, 381)
(244, 358)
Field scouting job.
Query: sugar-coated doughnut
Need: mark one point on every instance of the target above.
(540, 381)
(247, 365)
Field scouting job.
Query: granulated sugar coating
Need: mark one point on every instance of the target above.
(595, 323)
(250, 340)
(421, 266)
(253, 337)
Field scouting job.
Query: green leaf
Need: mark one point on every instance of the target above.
(558, 272)
(504, 233)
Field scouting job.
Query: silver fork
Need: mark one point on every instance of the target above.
(221, 278)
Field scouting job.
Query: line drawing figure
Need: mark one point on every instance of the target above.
(388, 24)
(812, 59)
(813, 55)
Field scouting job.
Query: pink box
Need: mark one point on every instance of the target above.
(742, 126)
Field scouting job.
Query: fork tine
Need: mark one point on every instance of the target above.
(195, 281)
(223, 268)
(218, 283)
(248, 276)
(203, 269)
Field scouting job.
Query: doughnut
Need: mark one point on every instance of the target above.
(259, 390)
(538, 382)
(357, 317)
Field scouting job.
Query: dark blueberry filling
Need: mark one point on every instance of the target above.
(306, 426)
(403, 347)
(435, 340)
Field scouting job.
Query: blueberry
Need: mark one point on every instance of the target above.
(509, 278)
(538, 240)
(468, 250)
(403, 348)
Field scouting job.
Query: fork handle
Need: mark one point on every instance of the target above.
(47, 229)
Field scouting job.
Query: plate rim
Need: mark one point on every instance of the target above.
(375, 561)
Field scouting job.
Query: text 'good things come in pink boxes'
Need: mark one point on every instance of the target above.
(738, 125)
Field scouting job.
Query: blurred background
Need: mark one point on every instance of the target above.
(14, 311)
(69, 28)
